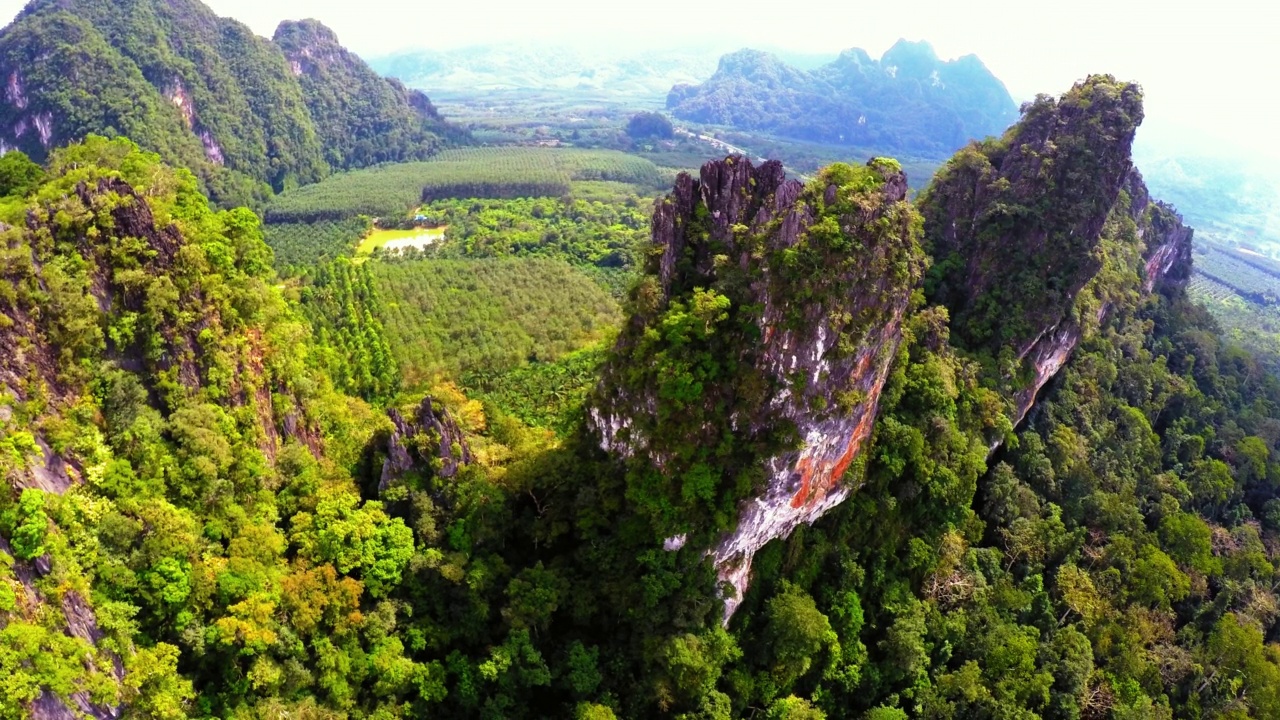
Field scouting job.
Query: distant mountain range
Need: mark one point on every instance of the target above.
(247, 114)
(908, 101)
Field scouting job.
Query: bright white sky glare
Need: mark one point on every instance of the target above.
(1209, 67)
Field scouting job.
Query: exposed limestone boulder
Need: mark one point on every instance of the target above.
(430, 438)
(748, 379)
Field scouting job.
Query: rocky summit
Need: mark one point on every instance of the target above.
(763, 336)
(746, 385)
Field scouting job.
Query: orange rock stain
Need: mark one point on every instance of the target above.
(817, 476)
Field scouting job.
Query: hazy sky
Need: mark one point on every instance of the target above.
(1208, 67)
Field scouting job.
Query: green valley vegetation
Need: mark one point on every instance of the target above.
(543, 394)
(228, 495)
(299, 246)
(330, 219)
(450, 317)
(593, 233)
(390, 192)
(247, 115)
(1241, 289)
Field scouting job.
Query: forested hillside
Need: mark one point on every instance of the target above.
(843, 454)
(247, 115)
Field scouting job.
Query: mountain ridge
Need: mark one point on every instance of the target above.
(204, 91)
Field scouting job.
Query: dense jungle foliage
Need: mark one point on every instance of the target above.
(594, 233)
(193, 455)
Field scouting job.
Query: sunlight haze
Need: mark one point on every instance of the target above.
(1204, 66)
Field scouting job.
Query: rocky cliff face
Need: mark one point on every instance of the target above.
(749, 378)
(1023, 226)
(748, 381)
(1014, 224)
(1166, 241)
(430, 439)
(1160, 246)
(1017, 226)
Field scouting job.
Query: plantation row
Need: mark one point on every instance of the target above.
(390, 191)
(1265, 264)
(464, 316)
(306, 245)
(1245, 278)
(1252, 326)
(1204, 288)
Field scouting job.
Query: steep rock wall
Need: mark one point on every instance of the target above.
(1015, 224)
(1037, 238)
(813, 281)
(1163, 252)
(430, 439)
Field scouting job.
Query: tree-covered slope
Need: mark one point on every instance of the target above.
(909, 101)
(194, 523)
(361, 117)
(203, 91)
(161, 409)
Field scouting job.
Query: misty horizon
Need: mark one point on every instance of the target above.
(1200, 67)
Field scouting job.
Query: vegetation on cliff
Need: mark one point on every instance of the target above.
(1015, 222)
(237, 502)
(843, 252)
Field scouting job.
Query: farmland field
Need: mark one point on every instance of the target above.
(1252, 277)
(391, 191)
(392, 240)
(302, 245)
(453, 317)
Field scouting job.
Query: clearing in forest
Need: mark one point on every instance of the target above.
(392, 240)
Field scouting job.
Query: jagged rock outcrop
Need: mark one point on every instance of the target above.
(748, 380)
(1015, 225)
(1167, 241)
(1020, 227)
(749, 376)
(430, 438)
